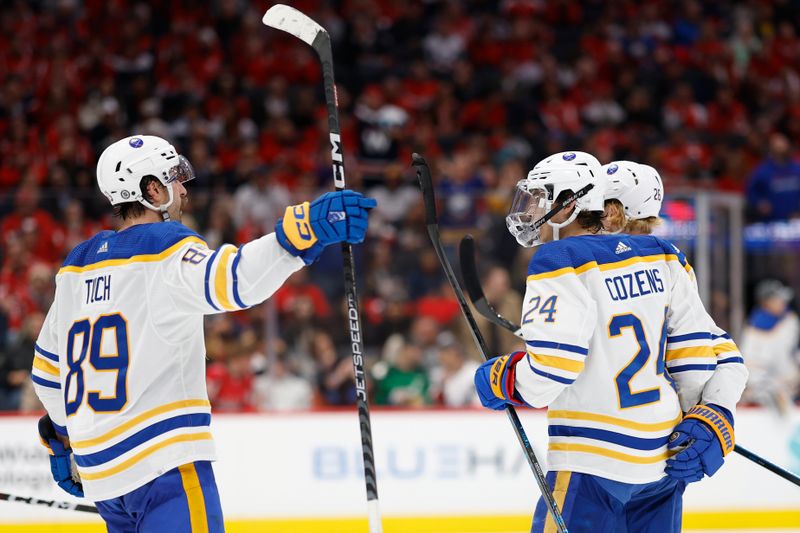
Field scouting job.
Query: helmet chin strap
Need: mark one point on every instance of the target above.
(162, 208)
(558, 225)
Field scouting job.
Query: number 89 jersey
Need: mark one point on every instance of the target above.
(120, 362)
(617, 341)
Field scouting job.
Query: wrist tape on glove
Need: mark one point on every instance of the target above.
(717, 422)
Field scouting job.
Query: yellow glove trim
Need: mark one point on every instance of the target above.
(718, 423)
(297, 227)
(495, 374)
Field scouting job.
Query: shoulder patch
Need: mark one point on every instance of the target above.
(195, 256)
(134, 243)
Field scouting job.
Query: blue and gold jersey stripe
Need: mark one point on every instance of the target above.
(690, 352)
(45, 383)
(44, 353)
(667, 425)
(594, 265)
(78, 445)
(141, 437)
(222, 280)
(612, 454)
(143, 258)
(44, 366)
(613, 437)
(143, 454)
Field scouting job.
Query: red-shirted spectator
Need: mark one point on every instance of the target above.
(34, 225)
(298, 294)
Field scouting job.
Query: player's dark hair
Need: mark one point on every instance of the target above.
(128, 210)
(592, 221)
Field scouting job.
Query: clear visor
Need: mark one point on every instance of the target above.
(528, 206)
(182, 172)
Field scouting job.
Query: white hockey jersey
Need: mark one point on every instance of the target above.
(618, 341)
(120, 361)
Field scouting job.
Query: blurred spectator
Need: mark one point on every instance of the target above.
(452, 381)
(335, 379)
(300, 303)
(259, 202)
(282, 390)
(402, 382)
(499, 293)
(395, 197)
(298, 291)
(15, 363)
(379, 124)
(773, 192)
(15, 296)
(229, 375)
(36, 227)
(441, 305)
(769, 346)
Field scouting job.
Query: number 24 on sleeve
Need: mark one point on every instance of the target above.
(547, 308)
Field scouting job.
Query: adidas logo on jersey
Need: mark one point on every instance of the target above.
(103, 248)
(622, 248)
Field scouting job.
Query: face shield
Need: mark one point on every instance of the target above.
(182, 172)
(530, 204)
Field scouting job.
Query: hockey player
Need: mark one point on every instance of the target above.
(604, 317)
(634, 194)
(773, 380)
(120, 362)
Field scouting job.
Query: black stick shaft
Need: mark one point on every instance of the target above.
(53, 504)
(772, 467)
(478, 298)
(426, 184)
(322, 45)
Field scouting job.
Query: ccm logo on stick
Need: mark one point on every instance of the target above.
(338, 162)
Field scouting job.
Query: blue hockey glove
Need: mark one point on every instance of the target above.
(60, 458)
(341, 216)
(494, 381)
(706, 436)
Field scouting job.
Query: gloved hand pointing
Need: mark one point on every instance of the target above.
(341, 216)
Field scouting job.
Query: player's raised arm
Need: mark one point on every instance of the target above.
(230, 278)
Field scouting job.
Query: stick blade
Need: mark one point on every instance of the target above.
(426, 184)
(288, 19)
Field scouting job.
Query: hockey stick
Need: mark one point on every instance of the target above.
(53, 504)
(290, 20)
(426, 184)
(469, 270)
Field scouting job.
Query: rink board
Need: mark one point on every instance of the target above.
(438, 471)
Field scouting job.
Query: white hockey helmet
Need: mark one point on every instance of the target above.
(638, 187)
(569, 158)
(535, 196)
(124, 163)
(595, 197)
